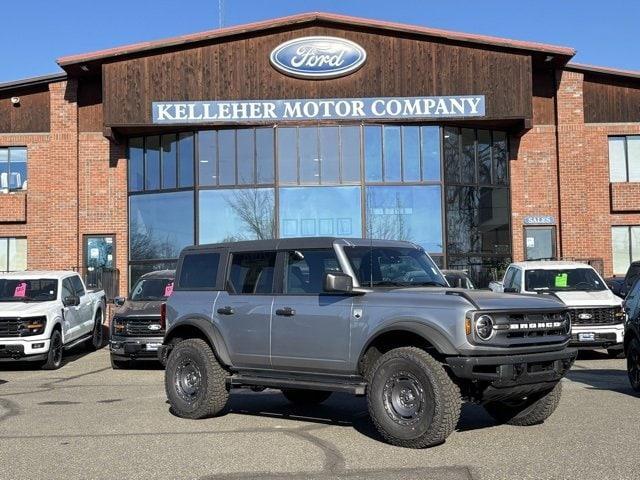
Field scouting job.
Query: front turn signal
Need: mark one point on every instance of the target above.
(467, 326)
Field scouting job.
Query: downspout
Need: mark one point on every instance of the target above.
(78, 239)
(560, 252)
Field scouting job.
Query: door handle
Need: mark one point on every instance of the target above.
(225, 310)
(286, 312)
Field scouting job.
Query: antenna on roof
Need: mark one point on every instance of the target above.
(220, 11)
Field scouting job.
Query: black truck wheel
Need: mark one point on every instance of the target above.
(530, 410)
(194, 380)
(96, 341)
(305, 397)
(633, 364)
(54, 356)
(412, 401)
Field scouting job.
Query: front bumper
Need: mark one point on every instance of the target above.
(603, 336)
(506, 371)
(135, 347)
(23, 350)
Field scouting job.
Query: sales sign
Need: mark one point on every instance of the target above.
(318, 109)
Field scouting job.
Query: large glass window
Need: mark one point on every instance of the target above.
(199, 270)
(625, 243)
(411, 213)
(320, 211)
(624, 159)
(236, 214)
(160, 225)
(401, 154)
(13, 254)
(304, 270)
(13, 168)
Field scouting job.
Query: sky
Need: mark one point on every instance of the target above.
(36, 32)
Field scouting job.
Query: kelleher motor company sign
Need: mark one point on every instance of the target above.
(318, 109)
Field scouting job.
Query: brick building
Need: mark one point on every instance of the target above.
(481, 149)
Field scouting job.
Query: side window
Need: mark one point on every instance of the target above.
(517, 279)
(199, 270)
(632, 274)
(67, 289)
(251, 272)
(633, 300)
(305, 270)
(508, 277)
(77, 285)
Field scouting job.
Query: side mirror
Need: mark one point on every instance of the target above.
(119, 301)
(71, 301)
(338, 282)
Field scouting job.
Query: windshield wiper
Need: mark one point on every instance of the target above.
(429, 284)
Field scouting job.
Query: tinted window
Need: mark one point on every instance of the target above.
(508, 278)
(632, 301)
(252, 272)
(305, 270)
(32, 290)
(151, 289)
(199, 270)
(393, 266)
(78, 287)
(67, 288)
(558, 280)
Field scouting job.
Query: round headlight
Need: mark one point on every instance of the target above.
(484, 327)
(567, 323)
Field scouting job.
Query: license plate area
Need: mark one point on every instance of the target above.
(152, 347)
(586, 337)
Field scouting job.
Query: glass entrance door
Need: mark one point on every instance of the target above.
(540, 243)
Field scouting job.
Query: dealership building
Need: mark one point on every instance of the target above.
(483, 150)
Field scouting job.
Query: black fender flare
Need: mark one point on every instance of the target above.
(209, 330)
(430, 333)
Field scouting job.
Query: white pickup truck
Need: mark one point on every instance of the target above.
(44, 313)
(597, 316)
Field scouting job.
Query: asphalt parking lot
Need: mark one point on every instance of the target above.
(88, 421)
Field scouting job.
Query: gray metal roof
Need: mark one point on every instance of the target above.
(33, 81)
(301, 243)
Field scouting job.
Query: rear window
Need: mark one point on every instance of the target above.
(199, 270)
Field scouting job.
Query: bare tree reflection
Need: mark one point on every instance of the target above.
(255, 210)
(387, 222)
(147, 244)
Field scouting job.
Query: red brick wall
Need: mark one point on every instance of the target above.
(13, 207)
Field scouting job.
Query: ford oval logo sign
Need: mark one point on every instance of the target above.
(318, 57)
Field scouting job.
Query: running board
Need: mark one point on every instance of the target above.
(77, 341)
(355, 388)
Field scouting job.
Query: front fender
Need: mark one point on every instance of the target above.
(208, 329)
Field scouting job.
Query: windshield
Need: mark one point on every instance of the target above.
(149, 289)
(393, 266)
(560, 280)
(33, 290)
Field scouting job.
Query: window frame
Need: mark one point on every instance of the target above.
(220, 274)
(5, 268)
(26, 166)
(626, 156)
(279, 273)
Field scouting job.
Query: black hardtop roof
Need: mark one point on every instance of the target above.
(300, 243)
(159, 274)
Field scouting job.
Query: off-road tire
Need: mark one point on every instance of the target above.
(96, 342)
(533, 410)
(633, 364)
(305, 397)
(56, 351)
(437, 408)
(120, 364)
(207, 396)
(615, 352)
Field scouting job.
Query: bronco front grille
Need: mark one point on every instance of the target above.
(9, 327)
(595, 316)
(536, 325)
(143, 326)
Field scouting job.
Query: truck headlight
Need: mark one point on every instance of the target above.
(118, 325)
(618, 315)
(484, 327)
(32, 326)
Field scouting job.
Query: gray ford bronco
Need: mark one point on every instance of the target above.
(312, 316)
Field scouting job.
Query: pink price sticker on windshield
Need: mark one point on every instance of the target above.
(21, 290)
(168, 290)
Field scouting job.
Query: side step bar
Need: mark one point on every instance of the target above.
(77, 341)
(355, 388)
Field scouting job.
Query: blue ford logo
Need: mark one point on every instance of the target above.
(318, 57)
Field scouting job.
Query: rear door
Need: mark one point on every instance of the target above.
(309, 328)
(85, 309)
(243, 310)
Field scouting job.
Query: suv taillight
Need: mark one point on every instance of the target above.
(163, 315)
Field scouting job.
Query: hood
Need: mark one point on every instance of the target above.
(138, 309)
(598, 298)
(488, 300)
(25, 309)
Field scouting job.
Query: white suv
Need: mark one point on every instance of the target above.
(597, 315)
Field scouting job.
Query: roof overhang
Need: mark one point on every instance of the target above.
(615, 72)
(86, 63)
(32, 82)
